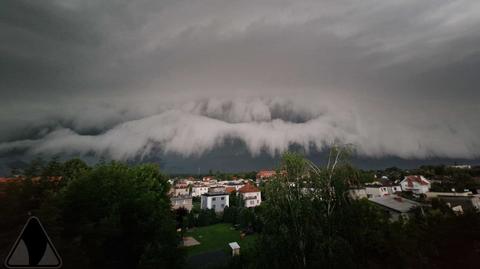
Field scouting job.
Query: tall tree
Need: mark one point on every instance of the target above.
(303, 212)
(120, 217)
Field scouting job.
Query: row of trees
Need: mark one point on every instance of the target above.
(309, 221)
(107, 216)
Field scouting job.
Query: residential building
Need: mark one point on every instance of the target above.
(214, 200)
(376, 190)
(198, 190)
(216, 188)
(178, 191)
(235, 184)
(207, 178)
(392, 187)
(263, 174)
(396, 206)
(415, 184)
(230, 190)
(251, 195)
(182, 201)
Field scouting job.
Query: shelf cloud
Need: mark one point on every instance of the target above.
(264, 125)
(128, 79)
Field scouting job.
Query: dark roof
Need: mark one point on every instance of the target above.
(395, 203)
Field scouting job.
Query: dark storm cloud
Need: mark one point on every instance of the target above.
(130, 78)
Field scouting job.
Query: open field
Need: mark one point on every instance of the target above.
(216, 237)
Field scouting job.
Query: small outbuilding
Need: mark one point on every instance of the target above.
(235, 248)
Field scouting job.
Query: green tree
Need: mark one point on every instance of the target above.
(119, 217)
(230, 214)
(235, 200)
(302, 217)
(288, 216)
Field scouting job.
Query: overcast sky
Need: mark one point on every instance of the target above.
(128, 79)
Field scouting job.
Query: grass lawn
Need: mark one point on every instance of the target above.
(217, 237)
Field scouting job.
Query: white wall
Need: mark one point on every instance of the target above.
(197, 191)
(376, 191)
(416, 188)
(394, 189)
(180, 192)
(217, 202)
(252, 202)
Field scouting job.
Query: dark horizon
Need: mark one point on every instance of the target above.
(221, 161)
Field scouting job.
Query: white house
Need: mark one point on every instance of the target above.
(394, 189)
(216, 188)
(214, 200)
(376, 190)
(415, 184)
(180, 191)
(251, 195)
(198, 190)
(181, 201)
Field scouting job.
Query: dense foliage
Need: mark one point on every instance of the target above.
(107, 216)
(309, 221)
(116, 216)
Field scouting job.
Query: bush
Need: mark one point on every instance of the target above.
(203, 217)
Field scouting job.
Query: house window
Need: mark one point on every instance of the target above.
(213, 206)
(223, 198)
(214, 199)
(251, 202)
(223, 205)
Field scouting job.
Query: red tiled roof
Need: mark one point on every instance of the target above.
(8, 179)
(418, 179)
(229, 189)
(265, 173)
(248, 188)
